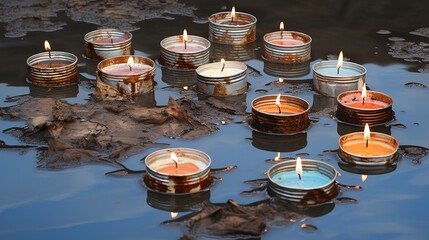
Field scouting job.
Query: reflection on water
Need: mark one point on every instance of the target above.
(77, 203)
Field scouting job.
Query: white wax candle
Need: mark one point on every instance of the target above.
(216, 72)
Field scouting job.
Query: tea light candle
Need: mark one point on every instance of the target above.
(292, 180)
(177, 170)
(368, 148)
(129, 75)
(360, 107)
(232, 28)
(280, 114)
(52, 68)
(105, 43)
(225, 78)
(330, 78)
(287, 46)
(184, 51)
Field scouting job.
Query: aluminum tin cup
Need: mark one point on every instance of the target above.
(266, 119)
(286, 70)
(177, 184)
(332, 85)
(306, 196)
(57, 71)
(287, 53)
(360, 116)
(176, 203)
(186, 60)
(232, 52)
(376, 138)
(221, 31)
(222, 86)
(130, 84)
(279, 143)
(178, 76)
(102, 50)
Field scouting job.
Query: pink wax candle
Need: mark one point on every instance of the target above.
(287, 42)
(123, 69)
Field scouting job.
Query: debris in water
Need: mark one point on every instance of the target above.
(309, 227)
(416, 84)
(424, 32)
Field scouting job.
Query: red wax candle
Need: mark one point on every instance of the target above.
(182, 168)
(54, 63)
(355, 101)
(123, 69)
(287, 42)
(109, 40)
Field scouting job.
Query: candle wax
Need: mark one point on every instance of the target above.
(123, 69)
(190, 47)
(375, 148)
(354, 100)
(236, 22)
(332, 71)
(367, 105)
(109, 40)
(216, 72)
(52, 63)
(285, 109)
(182, 168)
(309, 179)
(287, 42)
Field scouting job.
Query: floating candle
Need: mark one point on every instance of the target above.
(129, 75)
(190, 175)
(233, 28)
(225, 78)
(184, 51)
(331, 78)
(52, 68)
(292, 117)
(375, 108)
(368, 148)
(105, 43)
(316, 177)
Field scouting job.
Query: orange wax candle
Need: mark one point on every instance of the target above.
(375, 148)
(182, 168)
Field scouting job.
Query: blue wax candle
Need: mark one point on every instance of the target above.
(309, 179)
(332, 71)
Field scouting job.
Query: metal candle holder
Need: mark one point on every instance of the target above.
(184, 60)
(52, 69)
(332, 85)
(222, 31)
(319, 194)
(131, 84)
(266, 119)
(177, 184)
(375, 138)
(102, 50)
(361, 116)
(287, 53)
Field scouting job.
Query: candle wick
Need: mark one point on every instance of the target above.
(280, 110)
(299, 176)
(131, 68)
(223, 66)
(49, 52)
(366, 144)
(175, 162)
(111, 40)
(363, 101)
(232, 19)
(281, 34)
(338, 70)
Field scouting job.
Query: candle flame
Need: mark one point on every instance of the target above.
(364, 93)
(174, 214)
(173, 157)
(281, 80)
(298, 167)
(364, 177)
(185, 35)
(282, 26)
(47, 46)
(366, 133)
(278, 101)
(233, 13)
(340, 61)
(130, 62)
(277, 157)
